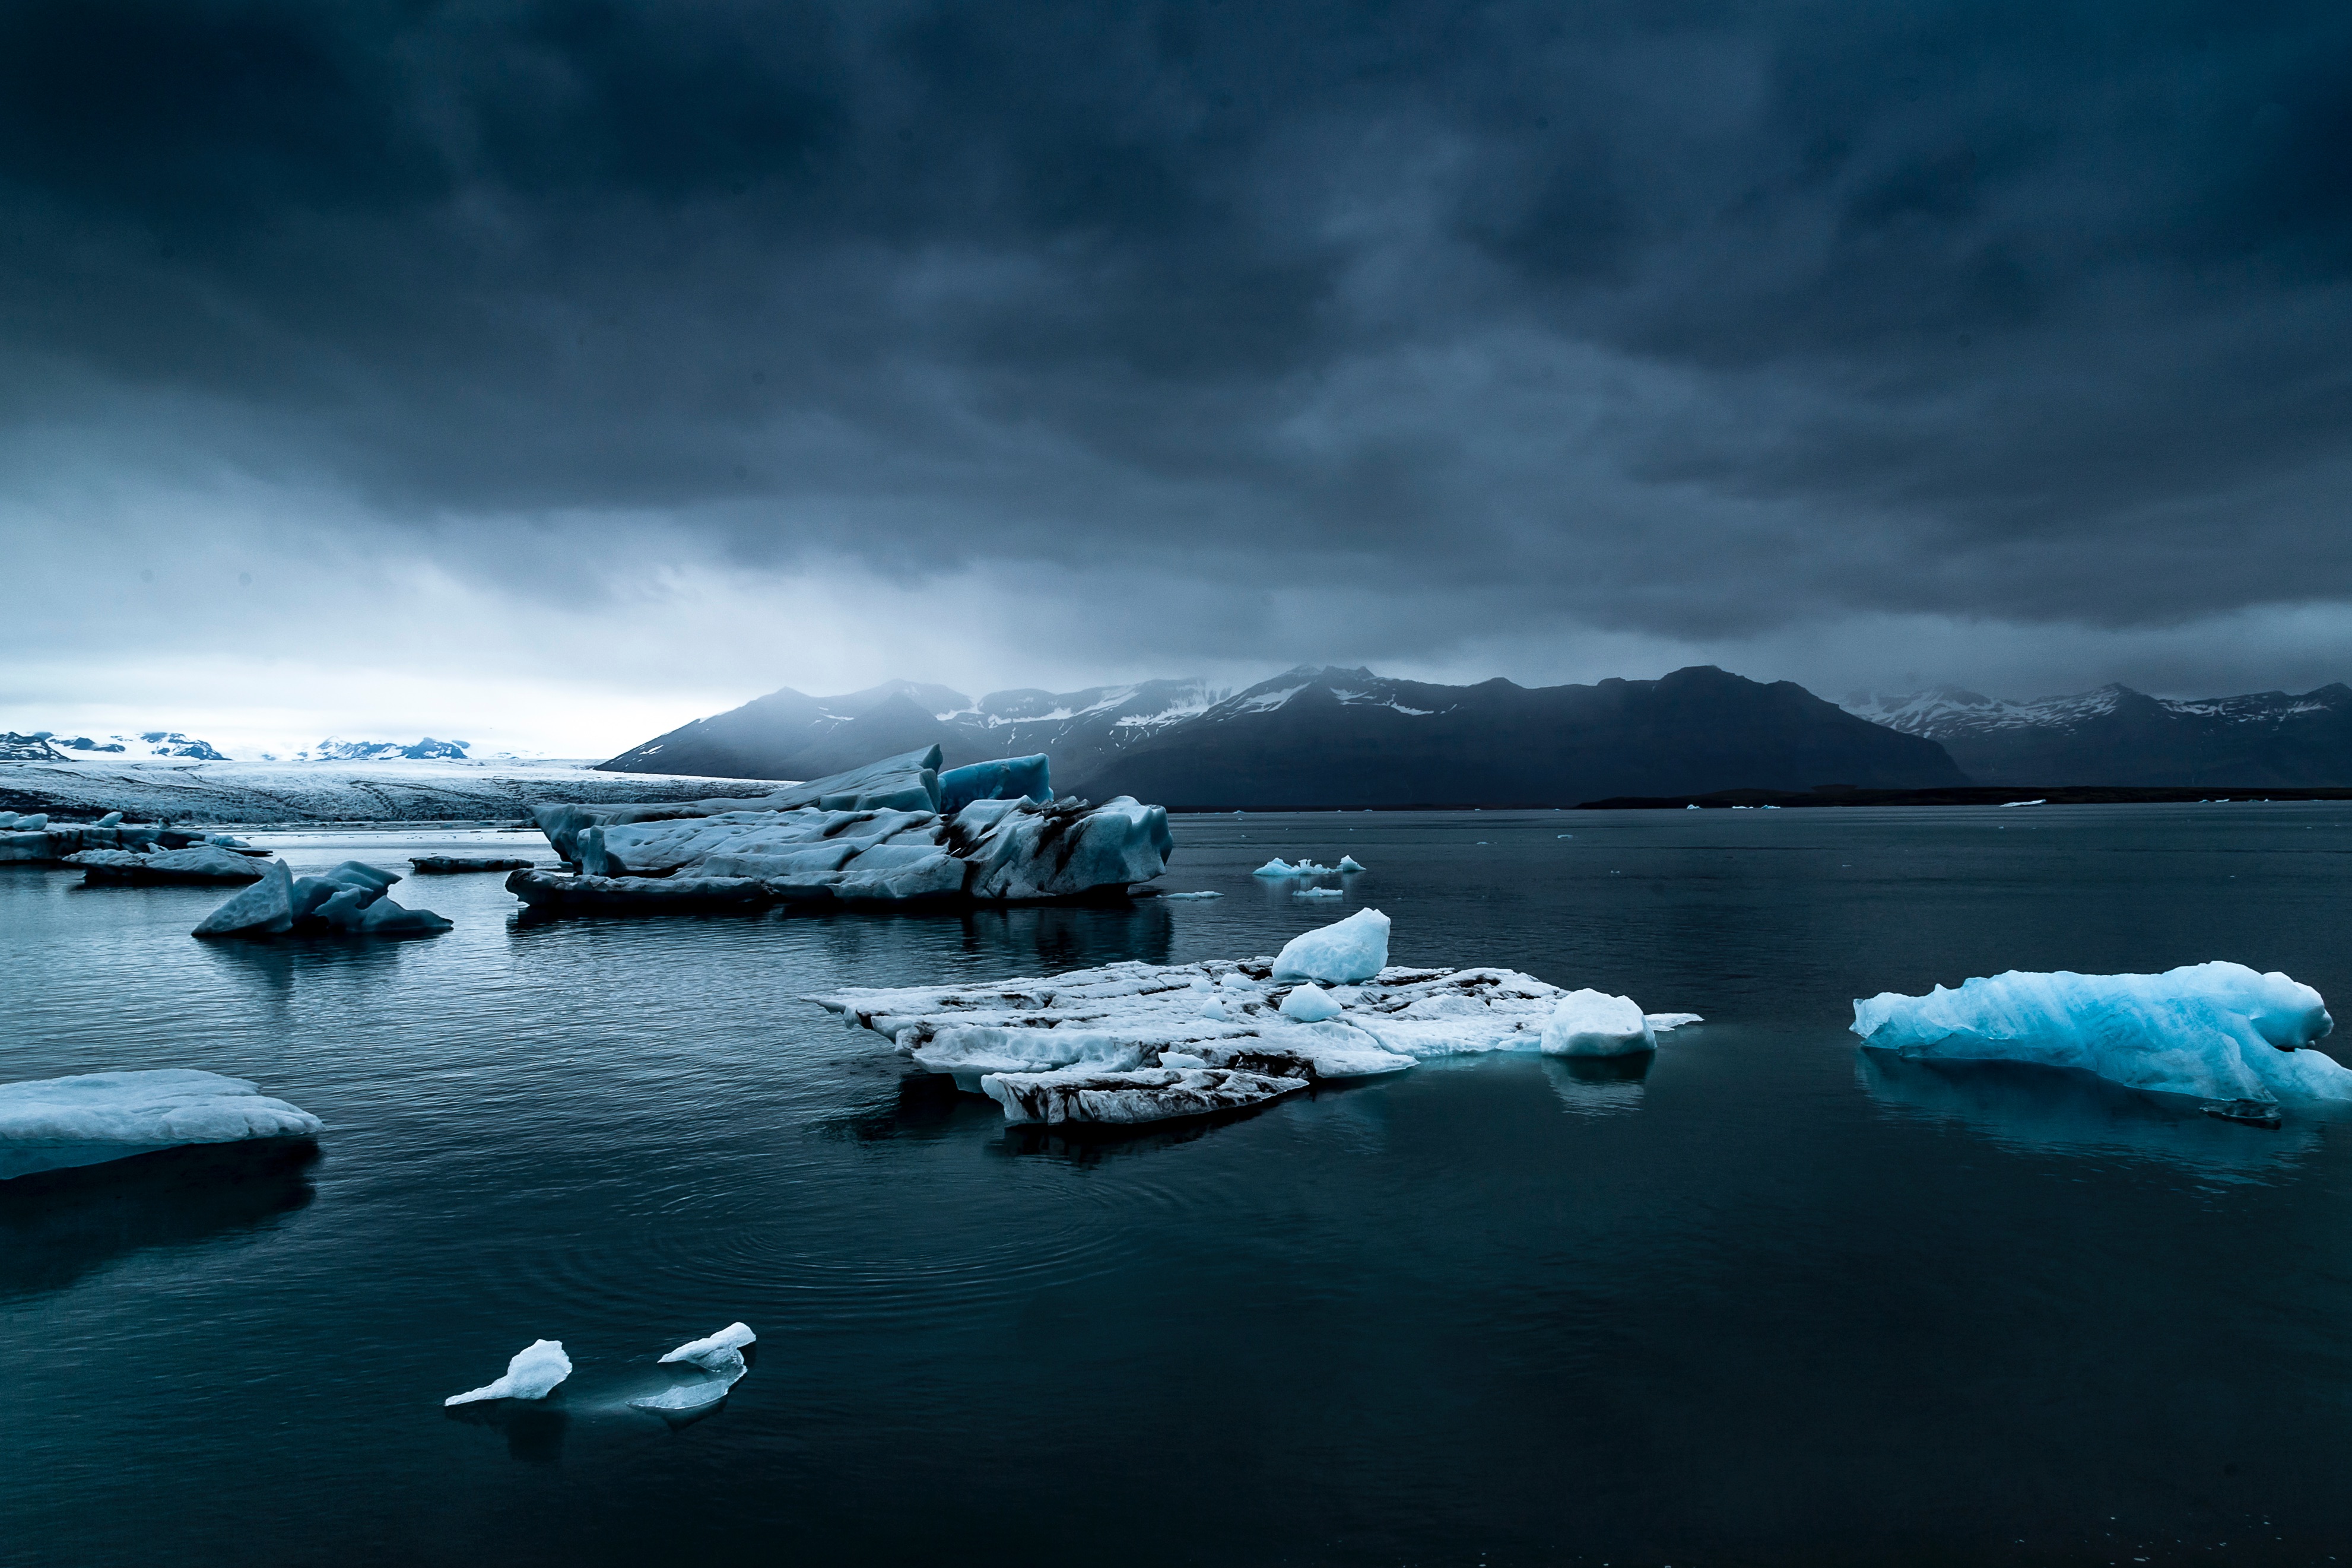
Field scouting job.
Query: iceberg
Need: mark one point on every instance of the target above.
(855, 845)
(1348, 863)
(1099, 1044)
(1594, 1024)
(51, 1124)
(350, 899)
(2220, 1031)
(1354, 949)
(204, 863)
(533, 1373)
(1279, 868)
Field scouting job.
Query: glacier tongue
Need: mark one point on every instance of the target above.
(2217, 1030)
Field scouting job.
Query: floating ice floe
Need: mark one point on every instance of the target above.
(883, 833)
(533, 1373)
(57, 1123)
(202, 863)
(1348, 863)
(1138, 1042)
(349, 900)
(1278, 868)
(720, 1354)
(2220, 1031)
(1200, 895)
(457, 865)
(1321, 893)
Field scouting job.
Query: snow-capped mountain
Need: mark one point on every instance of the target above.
(335, 750)
(146, 744)
(788, 734)
(1331, 737)
(2118, 736)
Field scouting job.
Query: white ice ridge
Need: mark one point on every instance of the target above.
(2219, 1030)
(55, 1123)
(350, 899)
(533, 1373)
(733, 1337)
(1279, 868)
(878, 833)
(1138, 1042)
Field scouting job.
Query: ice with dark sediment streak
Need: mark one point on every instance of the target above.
(2221, 1031)
(533, 1373)
(57, 1124)
(892, 832)
(1097, 1044)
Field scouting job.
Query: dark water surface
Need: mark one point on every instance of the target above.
(1768, 1303)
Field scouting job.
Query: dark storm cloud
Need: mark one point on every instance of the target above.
(1671, 317)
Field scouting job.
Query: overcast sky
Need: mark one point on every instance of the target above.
(548, 374)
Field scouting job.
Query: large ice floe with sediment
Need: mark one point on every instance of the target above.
(892, 831)
(2221, 1031)
(57, 1124)
(1136, 1042)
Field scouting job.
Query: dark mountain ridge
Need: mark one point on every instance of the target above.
(1329, 738)
(2116, 736)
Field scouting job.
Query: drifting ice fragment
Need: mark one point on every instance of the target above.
(204, 863)
(1192, 895)
(1321, 893)
(266, 909)
(532, 1374)
(1354, 949)
(733, 1337)
(1594, 1024)
(350, 899)
(56, 1123)
(2217, 1030)
(1661, 1022)
(1348, 863)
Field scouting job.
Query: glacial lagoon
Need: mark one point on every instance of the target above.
(1764, 1298)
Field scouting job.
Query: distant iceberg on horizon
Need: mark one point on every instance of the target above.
(895, 830)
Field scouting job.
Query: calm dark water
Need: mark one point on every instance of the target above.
(1768, 1303)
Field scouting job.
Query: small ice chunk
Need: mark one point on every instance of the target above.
(1661, 1022)
(1321, 893)
(1594, 1024)
(111, 819)
(731, 1338)
(532, 1374)
(1309, 1003)
(1203, 895)
(1348, 863)
(1353, 949)
(1278, 867)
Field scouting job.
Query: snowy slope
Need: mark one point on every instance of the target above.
(382, 791)
(2115, 735)
(789, 733)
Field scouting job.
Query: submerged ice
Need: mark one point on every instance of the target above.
(2221, 1030)
(56, 1123)
(1138, 1042)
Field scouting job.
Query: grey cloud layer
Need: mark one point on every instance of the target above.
(1669, 318)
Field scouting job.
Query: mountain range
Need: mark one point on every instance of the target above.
(2118, 736)
(1330, 737)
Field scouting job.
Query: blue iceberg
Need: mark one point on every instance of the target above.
(1007, 778)
(2220, 1031)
